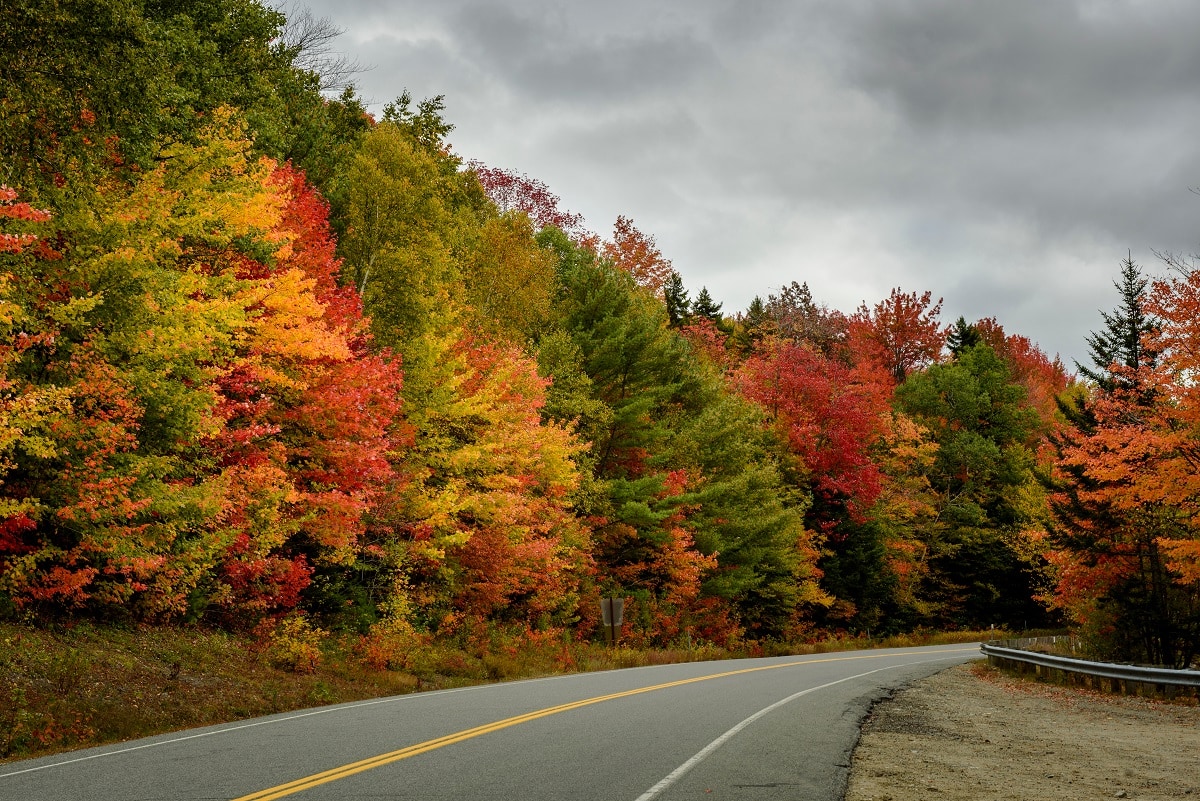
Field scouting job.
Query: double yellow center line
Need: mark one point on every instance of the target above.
(352, 768)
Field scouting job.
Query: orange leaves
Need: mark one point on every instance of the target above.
(1146, 438)
(1177, 342)
(637, 254)
(898, 334)
(227, 423)
(312, 249)
(92, 520)
(63, 585)
(1128, 500)
(1183, 556)
(288, 326)
(306, 408)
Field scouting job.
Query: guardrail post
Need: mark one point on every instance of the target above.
(1116, 678)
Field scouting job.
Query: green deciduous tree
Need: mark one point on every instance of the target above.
(981, 568)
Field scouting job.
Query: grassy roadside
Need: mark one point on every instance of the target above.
(69, 687)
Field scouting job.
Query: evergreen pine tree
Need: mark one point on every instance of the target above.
(963, 336)
(1120, 343)
(679, 308)
(1142, 610)
(757, 318)
(753, 326)
(984, 470)
(705, 306)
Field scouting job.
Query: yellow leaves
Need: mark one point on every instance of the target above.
(395, 208)
(487, 483)
(910, 444)
(510, 279)
(210, 191)
(908, 456)
(24, 417)
(9, 312)
(290, 325)
(257, 498)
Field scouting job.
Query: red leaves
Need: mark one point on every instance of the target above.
(487, 499)
(705, 337)
(310, 418)
(12, 210)
(898, 334)
(262, 585)
(512, 191)
(313, 249)
(829, 416)
(11, 530)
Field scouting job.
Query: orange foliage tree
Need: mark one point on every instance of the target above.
(213, 424)
(1125, 496)
(486, 517)
(1175, 385)
(310, 418)
(898, 334)
(637, 254)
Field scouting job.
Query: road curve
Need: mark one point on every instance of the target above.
(763, 729)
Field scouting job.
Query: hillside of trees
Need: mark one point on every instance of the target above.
(268, 358)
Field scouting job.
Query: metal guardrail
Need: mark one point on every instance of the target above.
(1107, 670)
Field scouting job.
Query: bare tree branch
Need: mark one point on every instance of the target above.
(309, 42)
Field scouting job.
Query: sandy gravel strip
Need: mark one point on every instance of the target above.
(971, 733)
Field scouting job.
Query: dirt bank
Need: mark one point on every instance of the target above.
(971, 733)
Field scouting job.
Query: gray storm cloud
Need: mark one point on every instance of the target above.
(1003, 155)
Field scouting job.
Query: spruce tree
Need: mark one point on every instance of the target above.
(705, 306)
(962, 337)
(984, 470)
(1120, 343)
(753, 326)
(679, 308)
(1141, 614)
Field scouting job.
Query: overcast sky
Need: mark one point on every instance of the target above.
(1004, 155)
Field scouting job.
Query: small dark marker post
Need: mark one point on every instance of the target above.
(612, 611)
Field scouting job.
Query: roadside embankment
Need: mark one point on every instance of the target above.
(973, 733)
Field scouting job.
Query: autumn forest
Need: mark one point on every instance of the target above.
(268, 357)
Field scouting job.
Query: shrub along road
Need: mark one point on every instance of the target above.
(763, 728)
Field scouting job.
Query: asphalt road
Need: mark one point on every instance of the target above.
(763, 729)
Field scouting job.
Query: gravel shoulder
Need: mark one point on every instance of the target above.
(972, 733)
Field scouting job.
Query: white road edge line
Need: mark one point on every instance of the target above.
(702, 754)
(226, 729)
(322, 711)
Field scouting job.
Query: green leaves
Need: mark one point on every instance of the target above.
(982, 475)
